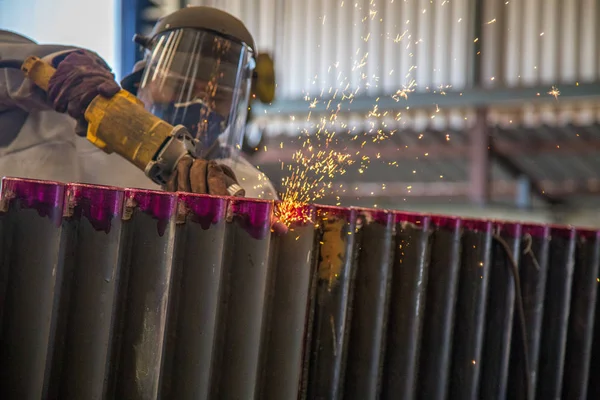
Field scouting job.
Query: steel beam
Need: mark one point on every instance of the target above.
(476, 97)
(498, 188)
(392, 152)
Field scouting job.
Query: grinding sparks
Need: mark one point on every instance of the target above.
(554, 92)
(333, 148)
(403, 93)
(314, 168)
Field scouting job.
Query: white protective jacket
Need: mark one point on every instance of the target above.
(37, 142)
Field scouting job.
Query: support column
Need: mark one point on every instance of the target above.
(523, 198)
(479, 155)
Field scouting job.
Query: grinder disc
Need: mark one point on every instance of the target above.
(263, 84)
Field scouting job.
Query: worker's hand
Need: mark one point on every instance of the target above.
(207, 177)
(202, 177)
(278, 227)
(78, 79)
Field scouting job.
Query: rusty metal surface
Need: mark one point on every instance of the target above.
(123, 293)
(440, 306)
(409, 285)
(500, 312)
(371, 304)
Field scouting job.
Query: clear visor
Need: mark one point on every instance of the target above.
(200, 80)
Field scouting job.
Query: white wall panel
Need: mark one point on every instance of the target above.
(588, 25)
(546, 42)
(373, 46)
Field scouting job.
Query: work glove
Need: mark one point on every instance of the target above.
(207, 177)
(79, 78)
(202, 177)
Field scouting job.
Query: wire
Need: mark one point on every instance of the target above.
(8, 63)
(520, 310)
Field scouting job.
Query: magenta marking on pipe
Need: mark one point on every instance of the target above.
(99, 204)
(204, 209)
(377, 215)
(535, 230)
(46, 197)
(443, 222)
(566, 232)
(421, 220)
(159, 205)
(512, 229)
(589, 234)
(336, 212)
(478, 225)
(254, 216)
(382, 217)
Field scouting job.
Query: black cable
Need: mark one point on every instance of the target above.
(8, 63)
(520, 310)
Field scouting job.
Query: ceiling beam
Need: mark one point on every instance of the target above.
(498, 188)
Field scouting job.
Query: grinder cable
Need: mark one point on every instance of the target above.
(520, 310)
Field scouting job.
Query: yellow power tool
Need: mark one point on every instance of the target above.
(122, 125)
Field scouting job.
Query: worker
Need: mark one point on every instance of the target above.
(197, 72)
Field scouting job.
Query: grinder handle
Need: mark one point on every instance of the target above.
(38, 71)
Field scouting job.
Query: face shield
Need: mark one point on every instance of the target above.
(201, 80)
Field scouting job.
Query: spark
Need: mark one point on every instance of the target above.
(406, 89)
(554, 92)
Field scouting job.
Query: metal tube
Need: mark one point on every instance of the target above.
(295, 261)
(247, 286)
(581, 322)
(150, 219)
(366, 349)
(332, 303)
(409, 288)
(95, 251)
(557, 304)
(196, 292)
(470, 310)
(500, 313)
(440, 307)
(532, 270)
(34, 251)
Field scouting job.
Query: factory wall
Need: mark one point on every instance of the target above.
(377, 47)
(322, 45)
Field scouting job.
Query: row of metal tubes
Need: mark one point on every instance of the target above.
(394, 309)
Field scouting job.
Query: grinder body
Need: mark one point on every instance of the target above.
(122, 125)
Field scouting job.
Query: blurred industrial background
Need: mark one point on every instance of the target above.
(485, 108)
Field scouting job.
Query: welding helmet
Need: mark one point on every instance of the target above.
(197, 72)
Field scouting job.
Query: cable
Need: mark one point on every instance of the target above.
(8, 63)
(520, 310)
